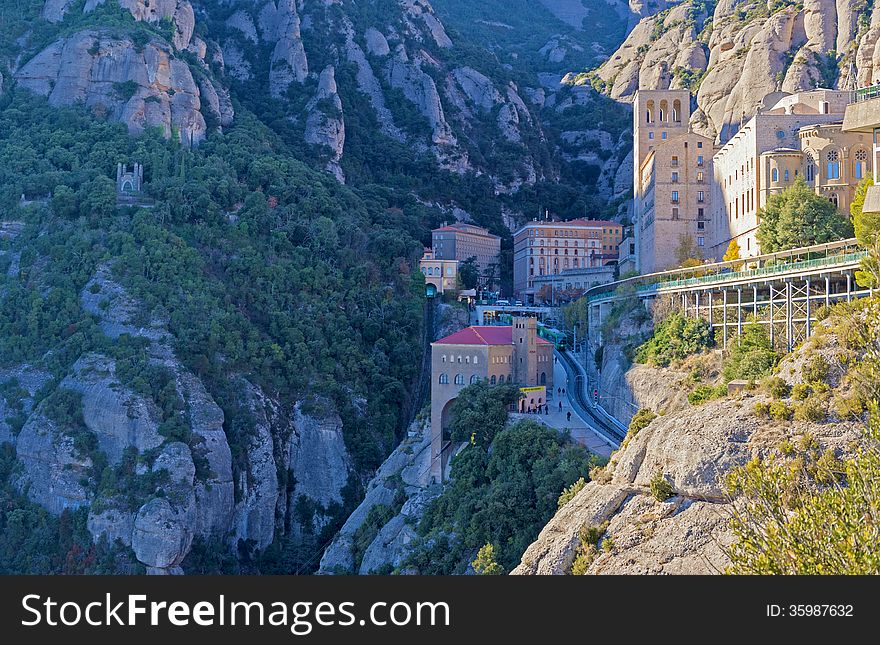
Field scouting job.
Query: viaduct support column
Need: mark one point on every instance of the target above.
(789, 312)
(724, 316)
(807, 308)
(739, 311)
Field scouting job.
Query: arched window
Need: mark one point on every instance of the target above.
(786, 174)
(774, 175)
(543, 378)
(476, 359)
(475, 379)
(664, 111)
(833, 199)
(444, 379)
(459, 379)
(467, 359)
(833, 159)
(676, 111)
(861, 164)
(811, 171)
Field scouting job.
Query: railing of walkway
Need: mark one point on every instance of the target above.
(806, 258)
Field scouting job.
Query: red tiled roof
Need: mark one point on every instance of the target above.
(487, 335)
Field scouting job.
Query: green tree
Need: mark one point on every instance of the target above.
(480, 412)
(676, 338)
(469, 273)
(867, 230)
(751, 356)
(799, 217)
(485, 563)
(64, 201)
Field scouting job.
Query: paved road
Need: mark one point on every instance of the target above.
(581, 432)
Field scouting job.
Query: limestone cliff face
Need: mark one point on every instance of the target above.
(197, 490)
(744, 51)
(693, 448)
(144, 85)
(398, 489)
(401, 55)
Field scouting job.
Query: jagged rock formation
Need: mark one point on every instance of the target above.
(325, 125)
(194, 492)
(400, 488)
(142, 84)
(693, 448)
(746, 51)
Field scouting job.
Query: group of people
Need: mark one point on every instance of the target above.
(545, 408)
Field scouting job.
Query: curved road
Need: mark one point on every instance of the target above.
(601, 422)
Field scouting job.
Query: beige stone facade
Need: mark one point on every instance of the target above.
(500, 354)
(675, 202)
(765, 157)
(542, 248)
(659, 116)
(461, 241)
(441, 276)
(835, 162)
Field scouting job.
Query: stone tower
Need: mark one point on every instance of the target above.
(525, 351)
(658, 115)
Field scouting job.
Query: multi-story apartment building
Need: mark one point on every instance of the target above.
(675, 202)
(768, 154)
(461, 241)
(547, 248)
(502, 354)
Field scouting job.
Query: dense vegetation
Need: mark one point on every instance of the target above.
(501, 492)
(258, 266)
(674, 339)
(799, 217)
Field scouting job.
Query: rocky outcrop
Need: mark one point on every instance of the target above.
(117, 416)
(280, 25)
(190, 489)
(319, 463)
(259, 489)
(749, 52)
(693, 448)
(325, 124)
(142, 87)
(53, 471)
(404, 476)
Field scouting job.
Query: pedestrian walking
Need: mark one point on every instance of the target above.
(546, 409)
(563, 390)
(560, 406)
(568, 417)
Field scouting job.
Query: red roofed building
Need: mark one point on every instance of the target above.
(510, 354)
